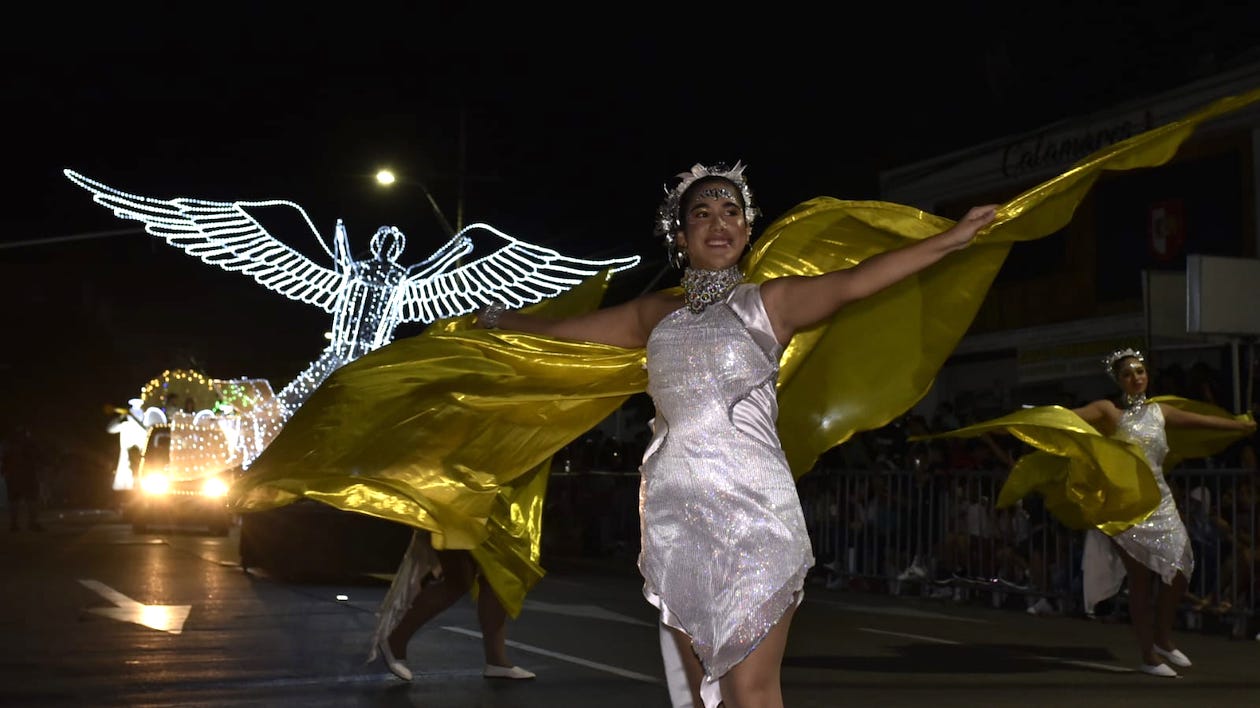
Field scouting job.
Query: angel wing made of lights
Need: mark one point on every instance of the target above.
(513, 271)
(225, 234)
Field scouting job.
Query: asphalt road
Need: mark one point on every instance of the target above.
(94, 614)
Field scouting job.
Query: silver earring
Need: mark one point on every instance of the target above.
(677, 257)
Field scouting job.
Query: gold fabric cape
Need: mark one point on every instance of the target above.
(1088, 479)
(450, 431)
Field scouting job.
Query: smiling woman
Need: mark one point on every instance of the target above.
(718, 504)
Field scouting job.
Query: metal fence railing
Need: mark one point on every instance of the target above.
(940, 535)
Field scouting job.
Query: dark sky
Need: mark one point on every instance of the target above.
(567, 134)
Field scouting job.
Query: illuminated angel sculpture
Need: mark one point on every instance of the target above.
(368, 298)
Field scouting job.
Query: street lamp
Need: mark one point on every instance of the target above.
(386, 178)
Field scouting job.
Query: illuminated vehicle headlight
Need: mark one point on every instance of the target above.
(214, 487)
(155, 483)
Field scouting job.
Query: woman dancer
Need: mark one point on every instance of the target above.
(1157, 546)
(724, 545)
(1101, 468)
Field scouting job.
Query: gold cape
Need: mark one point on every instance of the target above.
(451, 430)
(1088, 479)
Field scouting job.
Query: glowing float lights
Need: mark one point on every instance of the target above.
(201, 446)
(367, 298)
(177, 389)
(249, 416)
(215, 423)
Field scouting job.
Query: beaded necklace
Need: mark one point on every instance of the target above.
(702, 288)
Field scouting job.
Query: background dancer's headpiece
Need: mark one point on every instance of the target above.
(1115, 357)
(669, 221)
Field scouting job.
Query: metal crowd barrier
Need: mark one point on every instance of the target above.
(940, 536)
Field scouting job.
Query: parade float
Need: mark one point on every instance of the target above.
(194, 436)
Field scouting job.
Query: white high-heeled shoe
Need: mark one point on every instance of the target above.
(395, 666)
(507, 672)
(1175, 657)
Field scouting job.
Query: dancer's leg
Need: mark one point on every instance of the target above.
(754, 682)
(493, 619)
(1169, 600)
(458, 571)
(1140, 610)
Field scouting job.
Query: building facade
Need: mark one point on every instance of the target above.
(1116, 274)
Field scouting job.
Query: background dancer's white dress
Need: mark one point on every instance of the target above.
(419, 561)
(1159, 541)
(725, 549)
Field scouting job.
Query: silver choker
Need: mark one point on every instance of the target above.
(1131, 400)
(702, 288)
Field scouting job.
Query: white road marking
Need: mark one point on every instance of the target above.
(894, 611)
(626, 673)
(165, 618)
(1055, 659)
(588, 611)
(905, 635)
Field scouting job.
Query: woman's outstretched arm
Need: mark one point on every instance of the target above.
(1177, 418)
(625, 325)
(797, 302)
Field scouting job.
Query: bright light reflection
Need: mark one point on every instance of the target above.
(215, 487)
(167, 618)
(155, 483)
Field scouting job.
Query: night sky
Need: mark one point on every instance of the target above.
(563, 136)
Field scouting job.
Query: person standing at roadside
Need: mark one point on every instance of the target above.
(22, 472)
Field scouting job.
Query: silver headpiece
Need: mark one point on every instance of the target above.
(1114, 358)
(669, 221)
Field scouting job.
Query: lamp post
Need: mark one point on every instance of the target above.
(386, 178)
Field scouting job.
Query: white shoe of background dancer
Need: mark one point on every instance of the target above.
(1174, 657)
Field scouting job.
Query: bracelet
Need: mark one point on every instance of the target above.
(489, 316)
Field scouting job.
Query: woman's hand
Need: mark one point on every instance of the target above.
(961, 234)
(488, 316)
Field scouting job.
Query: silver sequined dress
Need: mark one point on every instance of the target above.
(1160, 541)
(725, 549)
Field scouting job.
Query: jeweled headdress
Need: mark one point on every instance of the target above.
(669, 221)
(1114, 358)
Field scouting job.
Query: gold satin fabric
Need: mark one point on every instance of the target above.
(1088, 479)
(440, 430)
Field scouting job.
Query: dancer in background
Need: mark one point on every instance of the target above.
(1153, 553)
(1101, 468)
